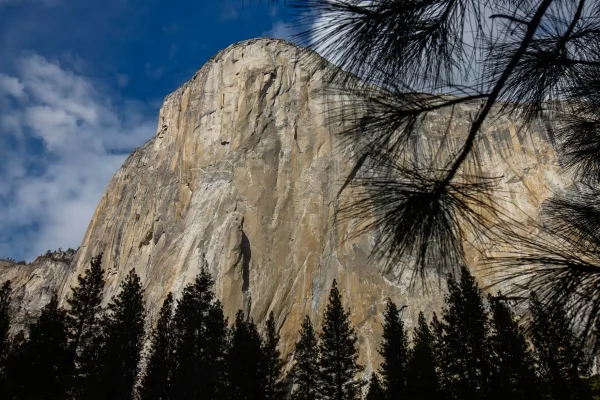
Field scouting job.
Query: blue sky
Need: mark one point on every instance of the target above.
(81, 83)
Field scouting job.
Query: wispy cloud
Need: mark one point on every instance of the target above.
(282, 30)
(173, 50)
(62, 138)
(229, 11)
(154, 71)
(11, 86)
(122, 80)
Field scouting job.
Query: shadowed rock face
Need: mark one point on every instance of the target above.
(242, 177)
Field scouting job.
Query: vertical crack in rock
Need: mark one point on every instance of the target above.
(246, 251)
(246, 256)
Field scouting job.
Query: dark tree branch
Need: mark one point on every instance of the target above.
(510, 18)
(562, 44)
(527, 39)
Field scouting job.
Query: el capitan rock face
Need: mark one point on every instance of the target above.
(242, 177)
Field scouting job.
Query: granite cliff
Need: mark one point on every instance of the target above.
(242, 177)
(35, 283)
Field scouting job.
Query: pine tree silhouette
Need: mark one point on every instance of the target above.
(5, 293)
(157, 378)
(245, 364)
(513, 373)
(375, 392)
(464, 345)
(338, 363)
(123, 332)
(45, 355)
(273, 364)
(306, 364)
(422, 379)
(438, 348)
(561, 360)
(215, 361)
(394, 352)
(83, 320)
(200, 340)
(16, 377)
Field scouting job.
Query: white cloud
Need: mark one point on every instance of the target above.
(11, 86)
(79, 135)
(281, 30)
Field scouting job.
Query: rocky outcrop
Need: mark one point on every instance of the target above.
(242, 177)
(34, 284)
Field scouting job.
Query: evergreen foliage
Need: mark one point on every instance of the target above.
(156, 383)
(338, 365)
(306, 364)
(273, 364)
(593, 383)
(217, 333)
(84, 324)
(539, 60)
(437, 345)
(200, 341)
(561, 360)
(394, 352)
(465, 355)
(513, 373)
(470, 353)
(421, 376)
(5, 293)
(375, 392)
(123, 336)
(45, 354)
(245, 364)
(16, 379)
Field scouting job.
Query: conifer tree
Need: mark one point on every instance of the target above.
(273, 364)
(306, 364)
(45, 355)
(245, 365)
(123, 332)
(5, 293)
(216, 350)
(83, 321)
(375, 392)
(200, 341)
(561, 360)
(421, 376)
(394, 352)
(338, 363)
(513, 373)
(465, 355)
(155, 384)
(438, 348)
(16, 378)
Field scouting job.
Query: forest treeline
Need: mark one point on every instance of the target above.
(474, 349)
